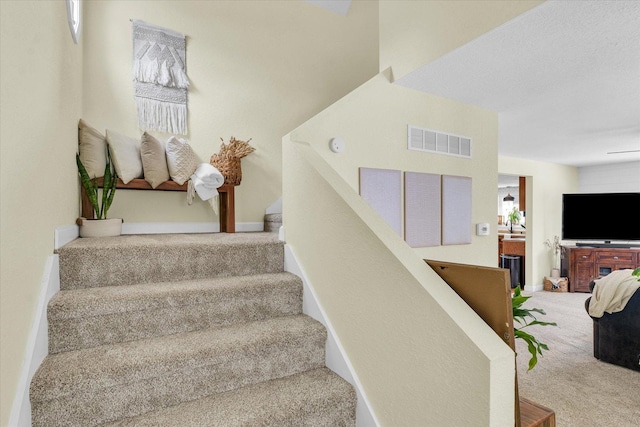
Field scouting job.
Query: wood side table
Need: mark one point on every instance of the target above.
(535, 415)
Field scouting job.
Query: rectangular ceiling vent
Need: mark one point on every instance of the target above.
(432, 141)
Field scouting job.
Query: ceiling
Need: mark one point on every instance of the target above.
(564, 78)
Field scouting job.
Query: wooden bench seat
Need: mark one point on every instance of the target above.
(226, 198)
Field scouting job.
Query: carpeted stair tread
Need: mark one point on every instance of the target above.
(180, 330)
(272, 222)
(133, 259)
(100, 384)
(83, 318)
(109, 365)
(314, 398)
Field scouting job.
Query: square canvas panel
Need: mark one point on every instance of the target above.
(456, 210)
(422, 209)
(381, 188)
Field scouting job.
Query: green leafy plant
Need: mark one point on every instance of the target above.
(526, 317)
(100, 205)
(514, 217)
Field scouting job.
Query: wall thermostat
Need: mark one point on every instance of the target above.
(482, 229)
(336, 145)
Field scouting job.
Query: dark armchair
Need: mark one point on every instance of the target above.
(616, 337)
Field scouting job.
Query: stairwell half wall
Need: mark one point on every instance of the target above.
(419, 353)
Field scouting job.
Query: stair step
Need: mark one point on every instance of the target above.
(313, 398)
(101, 384)
(148, 258)
(272, 222)
(90, 317)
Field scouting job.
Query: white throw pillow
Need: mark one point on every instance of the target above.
(154, 160)
(181, 160)
(125, 153)
(92, 147)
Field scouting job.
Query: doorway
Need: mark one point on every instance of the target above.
(512, 233)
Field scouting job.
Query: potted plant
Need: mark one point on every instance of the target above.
(99, 225)
(555, 248)
(526, 317)
(513, 217)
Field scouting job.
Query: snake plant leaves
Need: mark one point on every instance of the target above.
(110, 181)
(88, 184)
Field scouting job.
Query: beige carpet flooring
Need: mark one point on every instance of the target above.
(582, 391)
(184, 330)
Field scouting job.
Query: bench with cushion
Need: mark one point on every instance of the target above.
(145, 163)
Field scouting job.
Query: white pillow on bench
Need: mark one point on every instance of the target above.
(181, 160)
(125, 153)
(92, 147)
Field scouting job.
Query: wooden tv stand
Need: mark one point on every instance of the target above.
(582, 264)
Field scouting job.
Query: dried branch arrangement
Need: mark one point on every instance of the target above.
(555, 247)
(227, 160)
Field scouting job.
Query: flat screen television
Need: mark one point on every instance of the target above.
(606, 218)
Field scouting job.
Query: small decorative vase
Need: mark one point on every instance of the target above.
(100, 227)
(555, 273)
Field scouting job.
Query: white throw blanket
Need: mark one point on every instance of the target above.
(612, 292)
(205, 182)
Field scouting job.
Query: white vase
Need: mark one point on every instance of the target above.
(100, 227)
(555, 273)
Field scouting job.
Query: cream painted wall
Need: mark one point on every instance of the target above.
(621, 177)
(257, 70)
(41, 73)
(414, 33)
(546, 182)
(373, 121)
(382, 302)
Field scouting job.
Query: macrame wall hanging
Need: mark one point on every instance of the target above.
(160, 78)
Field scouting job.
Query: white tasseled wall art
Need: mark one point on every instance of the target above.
(160, 79)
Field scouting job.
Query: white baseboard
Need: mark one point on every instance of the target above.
(185, 227)
(37, 344)
(64, 234)
(335, 354)
(534, 288)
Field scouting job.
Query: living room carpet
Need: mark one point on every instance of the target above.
(583, 391)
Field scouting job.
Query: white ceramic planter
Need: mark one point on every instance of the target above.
(100, 227)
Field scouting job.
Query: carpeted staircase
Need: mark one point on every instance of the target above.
(184, 330)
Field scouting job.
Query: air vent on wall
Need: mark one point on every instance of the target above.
(438, 142)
